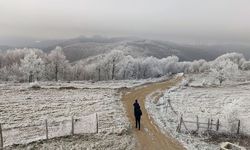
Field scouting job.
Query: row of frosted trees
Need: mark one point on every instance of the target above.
(33, 64)
(24, 65)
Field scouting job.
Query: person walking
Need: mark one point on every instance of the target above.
(138, 114)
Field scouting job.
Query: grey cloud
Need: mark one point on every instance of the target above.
(192, 19)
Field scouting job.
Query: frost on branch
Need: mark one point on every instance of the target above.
(32, 66)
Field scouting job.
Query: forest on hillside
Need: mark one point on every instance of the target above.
(29, 64)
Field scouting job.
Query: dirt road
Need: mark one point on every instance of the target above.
(149, 137)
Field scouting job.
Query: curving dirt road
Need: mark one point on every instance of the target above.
(149, 137)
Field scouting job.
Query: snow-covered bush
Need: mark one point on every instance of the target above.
(35, 85)
(185, 82)
(230, 111)
(198, 66)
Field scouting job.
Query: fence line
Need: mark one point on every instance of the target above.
(209, 125)
(47, 131)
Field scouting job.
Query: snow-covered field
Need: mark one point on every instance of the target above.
(229, 103)
(23, 111)
(111, 84)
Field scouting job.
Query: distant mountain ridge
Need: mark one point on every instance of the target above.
(84, 47)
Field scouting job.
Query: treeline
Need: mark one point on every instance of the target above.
(23, 65)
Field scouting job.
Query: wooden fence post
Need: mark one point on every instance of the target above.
(217, 125)
(197, 119)
(1, 137)
(208, 124)
(238, 130)
(211, 126)
(96, 123)
(46, 129)
(72, 125)
(179, 126)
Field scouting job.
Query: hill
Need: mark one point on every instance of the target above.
(84, 47)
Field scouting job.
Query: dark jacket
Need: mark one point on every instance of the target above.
(138, 113)
(137, 110)
(136, 106)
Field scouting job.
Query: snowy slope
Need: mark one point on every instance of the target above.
(23, 111)
(229, 103)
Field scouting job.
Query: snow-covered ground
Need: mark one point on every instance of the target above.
(205, 99)
(111, 84)
(23, 111)
(211, 80)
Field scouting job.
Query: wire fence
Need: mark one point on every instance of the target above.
(210, 125)
(48, 129)
(204, 124)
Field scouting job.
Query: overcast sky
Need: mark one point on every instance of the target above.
(227, 20)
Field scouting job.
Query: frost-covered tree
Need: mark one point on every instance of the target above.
(14, 56)
(57, 62)
(198, 66)
(78, 71)
(11, 73)
(32, 66)
(246, 65)
(113, 65)
(112, 60)
(151, 67)
(171, 64)
(4, 73)
(1, 59)
(221, 77)
(137, 68)
(226, 66)
(126, 68)
(235, 58)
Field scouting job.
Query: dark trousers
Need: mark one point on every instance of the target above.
(137, 122)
